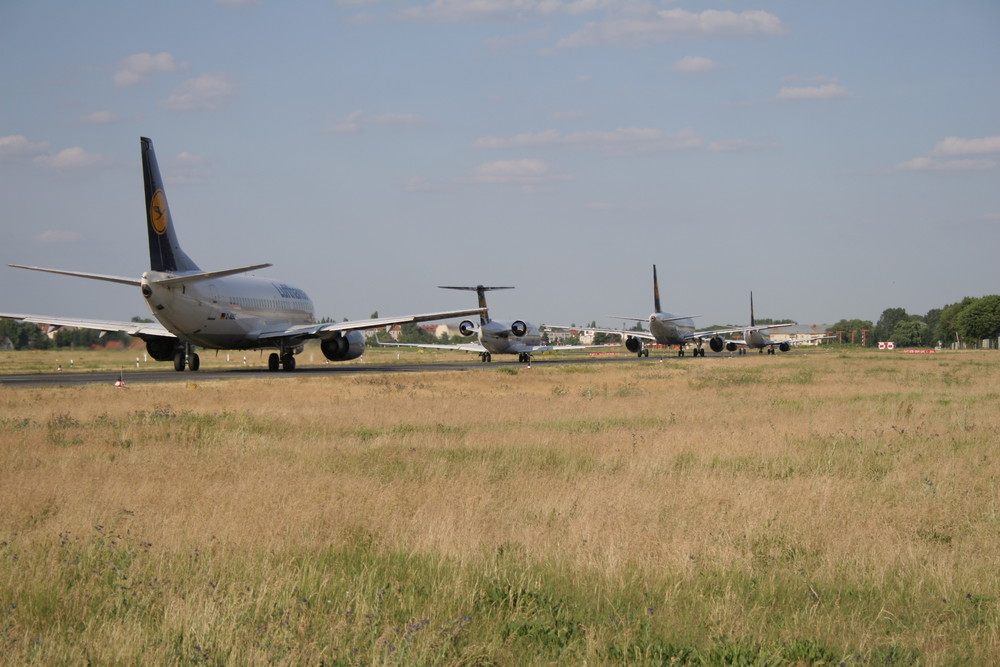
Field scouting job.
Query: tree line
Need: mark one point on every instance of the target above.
(968, 322)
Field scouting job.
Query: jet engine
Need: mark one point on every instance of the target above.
(732, 347)
(161, 349)
(343, 347)
(716, 344)
(518, 328)
(784, 347)
(633, 344)
(467, 328)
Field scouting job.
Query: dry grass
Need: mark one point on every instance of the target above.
(823, 507)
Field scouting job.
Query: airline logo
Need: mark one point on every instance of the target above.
(159, 216)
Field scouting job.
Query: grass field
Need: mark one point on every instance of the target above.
(820, 508)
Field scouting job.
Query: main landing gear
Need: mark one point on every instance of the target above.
(285, 361)
(485, 357)
(186, 356)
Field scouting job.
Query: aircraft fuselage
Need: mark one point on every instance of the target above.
(497, 337)
(668, 330)
(225, 313)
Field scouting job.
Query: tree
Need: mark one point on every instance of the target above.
(410, 332)
(909, 333)
(980, 319)
(23, 335)
(887, 323)
(947, 328)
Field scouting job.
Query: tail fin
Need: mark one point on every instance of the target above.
(165, 252)
(752, 322)
(656, 293)
(481, 291)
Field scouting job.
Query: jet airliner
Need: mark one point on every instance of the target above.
(754, 339)
(222, 310)
(496, 336)
(669, 329)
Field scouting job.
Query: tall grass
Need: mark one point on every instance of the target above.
(799, 509)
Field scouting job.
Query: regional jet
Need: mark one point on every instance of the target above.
(495, 336)
(755, 340)
(669, 329)
(222, 310)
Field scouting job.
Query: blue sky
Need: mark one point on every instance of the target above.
(837, 158)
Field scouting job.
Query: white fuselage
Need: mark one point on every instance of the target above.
(225, 313)
(497, 337)
(668, 330)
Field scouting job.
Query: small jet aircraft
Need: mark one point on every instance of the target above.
(669, 329)
(755, 340)
(222, 310)
(495, 336)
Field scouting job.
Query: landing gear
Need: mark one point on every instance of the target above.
(186, 356)
(644, 352)
(273, 362)
(524, 357)
(288, 362)
(485, 357)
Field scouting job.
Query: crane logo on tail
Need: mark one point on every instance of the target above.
(159, 216)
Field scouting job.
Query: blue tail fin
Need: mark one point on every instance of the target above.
(165, 252)
(656, 292)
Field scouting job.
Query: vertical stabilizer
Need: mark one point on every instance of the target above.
(752, 322)
(656, 293)
(165, 252)
(481, 292)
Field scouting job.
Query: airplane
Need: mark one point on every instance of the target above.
(669, 329)
(221, 310)
(755, 340)
(495, 336)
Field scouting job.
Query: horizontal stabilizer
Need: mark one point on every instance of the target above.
(79, 274)
(208, 275)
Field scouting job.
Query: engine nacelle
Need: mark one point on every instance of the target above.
(716, 344)
(343, 347)
(732, 347)
(467, 328)
(518, 328)
(633, 344)
(784, 347)
(161, 349)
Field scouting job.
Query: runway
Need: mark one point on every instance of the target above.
(167, 374)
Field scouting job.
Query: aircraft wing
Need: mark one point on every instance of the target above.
(464, 347)
(796, 341)
(620, 332)
(130, 328)
(704, 335)
(531, 349)
(317, 330)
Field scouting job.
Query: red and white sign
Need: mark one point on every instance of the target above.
(887, 346)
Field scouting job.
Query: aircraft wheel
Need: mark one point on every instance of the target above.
(489, 357)
(194, 362)
(179, 360)
(273, 362)
(288, 362)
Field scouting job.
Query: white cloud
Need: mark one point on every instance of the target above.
(208, 92)
(58, 236)
(356, 121)
(459, 11)
(71, 158)
(694, 65)
(138, 67)
(623, 141)
(17, 145)
(930, 164)
(738, 146)
(98, 118)
(960, 146)
(189, 169)
(643, 28)
(826, 91)
(522, 172)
